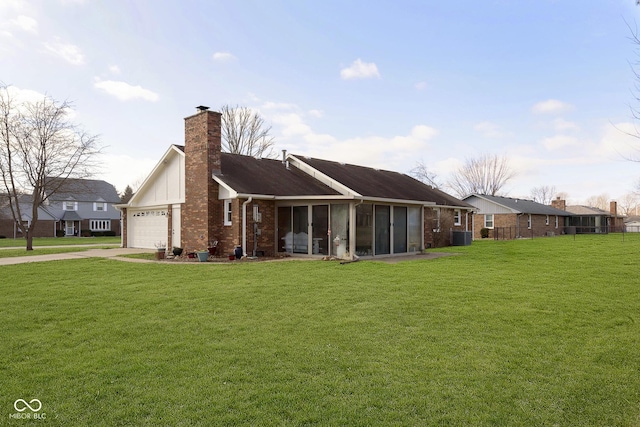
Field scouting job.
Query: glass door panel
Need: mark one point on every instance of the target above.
(399, 229)
(319, 229)
(285, 235)
(364, 230)
(414, 228)
(340, 229)
(301, 229)
(382, 224)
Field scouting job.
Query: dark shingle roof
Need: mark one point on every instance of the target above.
(385, 184)
(524, 206)
(87, 190)
(248, 175)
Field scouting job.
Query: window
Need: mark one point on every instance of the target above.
(556, 221)
(456, 217)
(100, 225)
(70, 206)
(227, 212)
(546, 220)
(488, 221)
(529, 221)
(99, 206)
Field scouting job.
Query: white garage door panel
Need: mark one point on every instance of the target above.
(146, 227)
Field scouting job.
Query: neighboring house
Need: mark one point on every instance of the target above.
(632, 224)
(46, 226)
(83, 207)
(511, 218)
(590, 220)
(197, 195)
(75, 207)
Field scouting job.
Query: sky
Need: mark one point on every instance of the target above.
(548, 84)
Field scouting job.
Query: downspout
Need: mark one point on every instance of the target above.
(244, 224)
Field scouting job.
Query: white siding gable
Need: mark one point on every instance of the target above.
(487, 207)
(165, 184)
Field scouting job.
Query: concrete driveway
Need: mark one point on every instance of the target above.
(114, 253)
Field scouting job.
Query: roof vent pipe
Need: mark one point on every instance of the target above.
(284, 157)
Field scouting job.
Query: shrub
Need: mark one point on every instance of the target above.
(109, 233)
(85, 233)
(3, 237)
(484, 233)
(59, 233)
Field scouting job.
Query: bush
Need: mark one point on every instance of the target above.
(3, 237)
(109, 233)
(484, 233)
(85, 233)
(59, 233)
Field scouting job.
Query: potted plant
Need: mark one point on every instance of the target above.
(203, 256)
(177, 251)
(213, 247)
(161, 249)
(232, 257)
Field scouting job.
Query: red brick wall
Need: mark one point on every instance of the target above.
(202, 211)
(512, 226)
(441, 238)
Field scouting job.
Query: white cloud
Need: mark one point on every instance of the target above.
(25, 95)
(551, 106)
(360, 70)
(559, 141)
(391, 153)
(25, 23)
(490, 130)
(67, 51)
(223, 57)
(114, 69)
(562, 125)
(619, 141)
(316, 113)
(124, 91)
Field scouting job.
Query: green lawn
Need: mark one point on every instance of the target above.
(522, 333)
(59, 241)
(46, 245)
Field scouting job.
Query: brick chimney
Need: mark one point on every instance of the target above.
(202, 146)
(613, 208)
(559, 203)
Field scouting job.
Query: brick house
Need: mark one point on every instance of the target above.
(591, 220)
(72, 207)
(197, 194)
(511, 218)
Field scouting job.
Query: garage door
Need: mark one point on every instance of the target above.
(147, 227)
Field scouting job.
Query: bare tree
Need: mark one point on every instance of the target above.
(244, 132)
(601, 201)
(39, 144)
(628, 204)
(486, 174)
(543, 194)
(424, 175)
